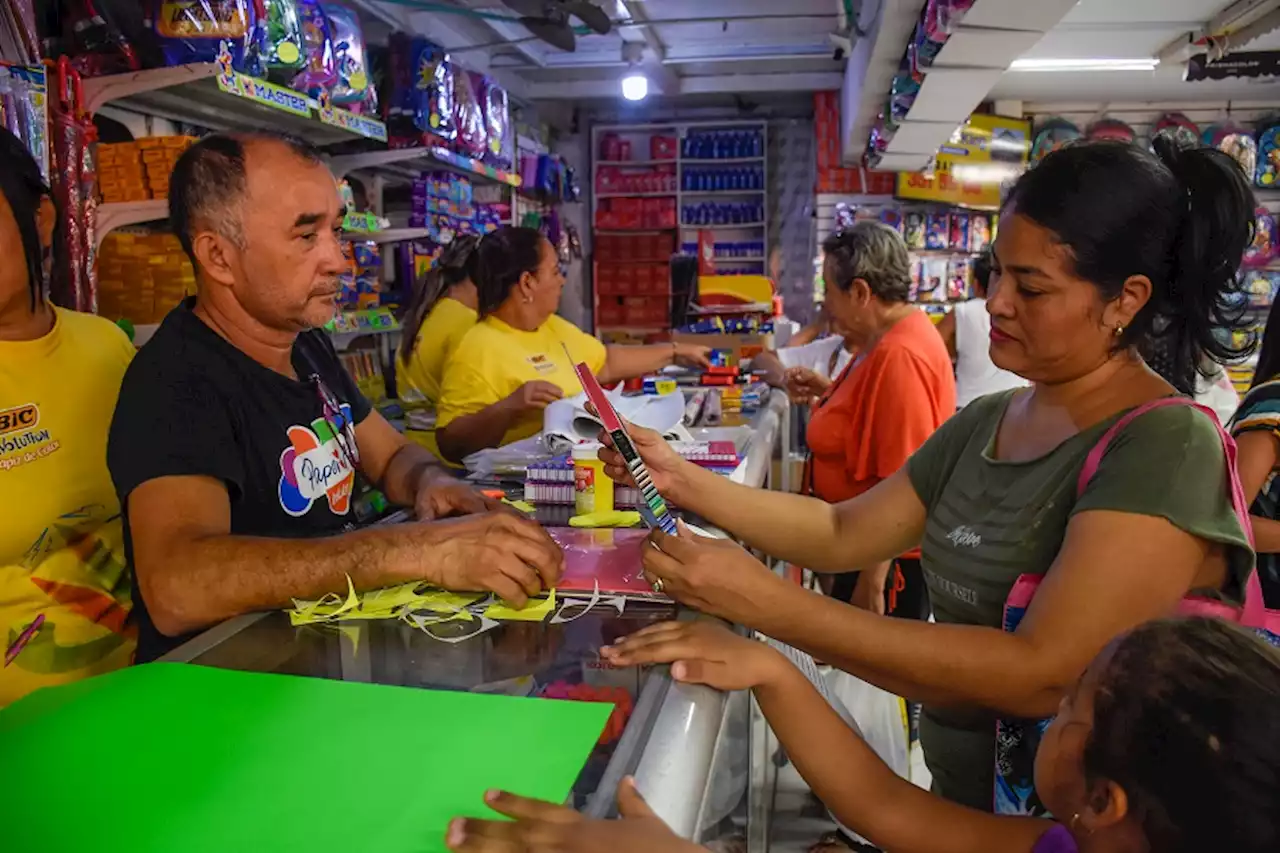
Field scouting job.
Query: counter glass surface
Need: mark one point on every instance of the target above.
(513, 658)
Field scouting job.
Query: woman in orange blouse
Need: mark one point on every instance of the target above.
(886, 402)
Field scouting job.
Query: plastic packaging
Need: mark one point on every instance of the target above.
(500, 150)
(351, 57)
(1178, 129)
(279, 42)
(433, 96)
(1268, 157)
(195, 30)
(1263, 247)
(1051, 136)
(468, 116)
(320, 72)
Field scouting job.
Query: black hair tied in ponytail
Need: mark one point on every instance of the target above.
(456, 264)
(1215, 229)
(1180, 217)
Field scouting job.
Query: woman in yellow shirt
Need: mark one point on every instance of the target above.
(441, 312)
(520, 356)
(61, 545)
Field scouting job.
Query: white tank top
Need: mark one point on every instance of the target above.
(976, 376)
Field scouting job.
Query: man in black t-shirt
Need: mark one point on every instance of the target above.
(238, 436)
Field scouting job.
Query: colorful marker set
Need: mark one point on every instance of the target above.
(658, 516)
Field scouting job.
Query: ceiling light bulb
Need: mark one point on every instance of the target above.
(635, 87)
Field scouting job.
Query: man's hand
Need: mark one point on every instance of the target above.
(495, 552)
(532, 397)
(442, 496)
(540, 827)
(805, 386)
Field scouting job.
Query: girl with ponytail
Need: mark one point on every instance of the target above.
(441, 311)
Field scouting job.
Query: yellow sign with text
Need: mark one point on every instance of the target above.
(972, 167)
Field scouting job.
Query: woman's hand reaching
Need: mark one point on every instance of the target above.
(716, 576)
(666, 467)
(700, 652)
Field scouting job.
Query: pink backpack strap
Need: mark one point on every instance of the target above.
(1254, 614)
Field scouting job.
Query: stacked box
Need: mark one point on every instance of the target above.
(138, 170)
(141, 277)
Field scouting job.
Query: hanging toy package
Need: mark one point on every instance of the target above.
(1263, 247)
(1268, 157)
(500, 151)
(194, 30)
(1178, 129)
(468, 116)
(319, 72)
(351, 59)
(279, 42)
(433, 94)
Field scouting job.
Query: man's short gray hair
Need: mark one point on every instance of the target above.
(208, 183)
(875, 253)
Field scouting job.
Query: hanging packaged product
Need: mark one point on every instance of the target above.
(194, 30)
(1235, 141)
(468, 116)
(320, 70)
(1110, 129)
(500, 151)
(1263, 247)
(433, 94)
(1178, 129)
(352, 89)
(1052, 135)
(1268, 157)
(24, 109)
(279, 41)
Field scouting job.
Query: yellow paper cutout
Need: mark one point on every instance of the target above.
(520, 506)
(610, 518)
(535, 611)
(393, 602)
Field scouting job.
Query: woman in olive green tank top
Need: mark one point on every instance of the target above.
(1101, 246)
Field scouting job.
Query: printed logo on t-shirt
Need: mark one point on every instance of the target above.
(313, 466)
(21, 442)
(965, 537)
(541, 363)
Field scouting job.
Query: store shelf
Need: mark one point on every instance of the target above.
(397, 163)
(391, 235)
(637, 195)
(638, 163)
(738, 226)
(121, 215)
(753, 259)
(722, 193)
(203, 95)
(632, 230)
(727, 161)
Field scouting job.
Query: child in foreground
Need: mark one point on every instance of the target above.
(1169, 743)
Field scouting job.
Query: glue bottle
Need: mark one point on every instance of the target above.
(592, 488)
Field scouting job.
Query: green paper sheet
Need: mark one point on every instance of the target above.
(167, 757)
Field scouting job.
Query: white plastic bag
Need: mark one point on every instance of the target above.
(880, 718)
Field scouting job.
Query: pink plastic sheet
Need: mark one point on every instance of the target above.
(609, 556)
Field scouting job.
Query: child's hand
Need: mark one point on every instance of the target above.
(540, 827)
(701, 652)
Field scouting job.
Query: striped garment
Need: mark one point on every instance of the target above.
(1260, 411)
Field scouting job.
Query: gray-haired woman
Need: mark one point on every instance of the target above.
(871, 417)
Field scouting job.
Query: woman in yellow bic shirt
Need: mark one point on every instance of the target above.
(61, 544)
(519, 357)
(441, 312)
